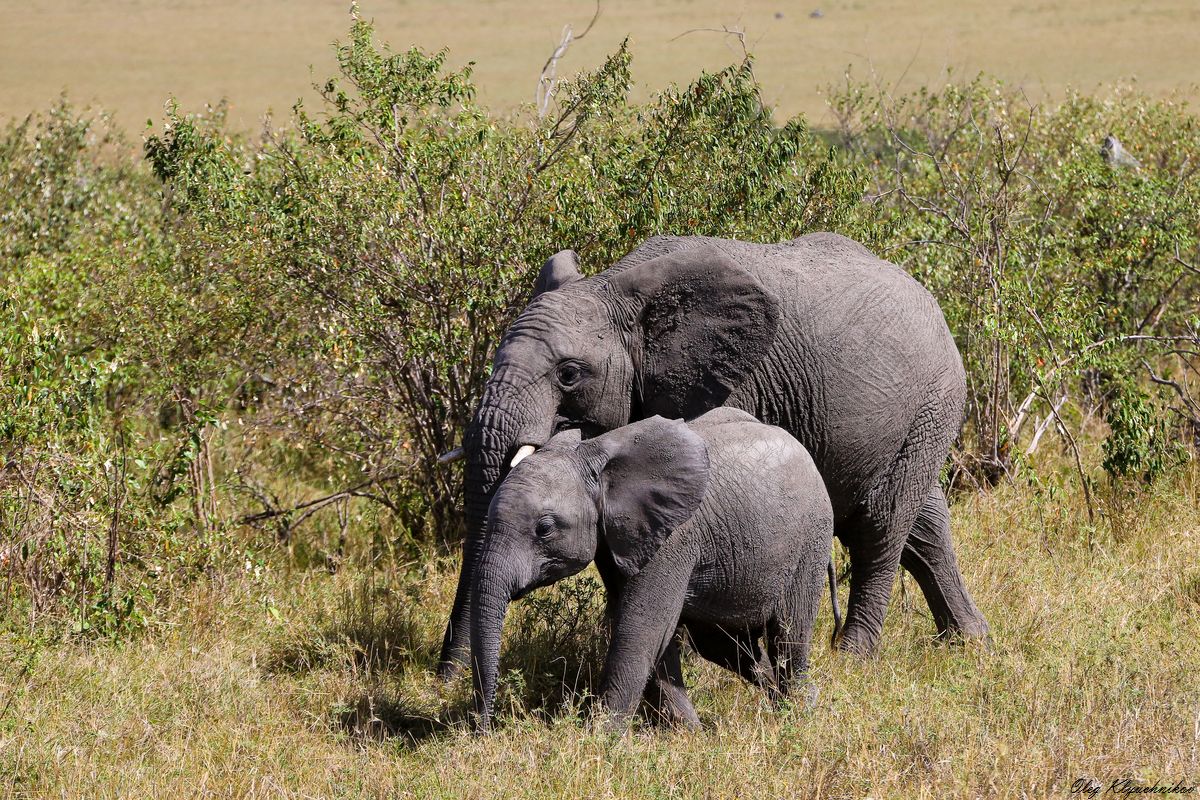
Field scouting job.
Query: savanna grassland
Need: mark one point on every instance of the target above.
(298, 684)
(127, 55)
(229, 362)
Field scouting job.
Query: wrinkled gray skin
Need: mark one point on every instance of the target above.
(844, 351)
(721, 525)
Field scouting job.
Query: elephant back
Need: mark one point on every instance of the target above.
(750, 459)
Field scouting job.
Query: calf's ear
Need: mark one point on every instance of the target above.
(652, 476)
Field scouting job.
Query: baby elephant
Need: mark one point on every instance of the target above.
(721, 526)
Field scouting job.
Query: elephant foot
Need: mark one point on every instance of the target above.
(687, 722)
(671, 709)
(481, 727)
(448, 671)
(455, 653)
(858, 642)
(980, 638)
(802, 696)
(666, 700)
(929, 557)
(613, 723)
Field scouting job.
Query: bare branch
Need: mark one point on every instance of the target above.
(548, 77)
(1189, 267)
(737, 33)
(1044, 425)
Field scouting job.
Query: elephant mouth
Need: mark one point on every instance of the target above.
(549, 573)
(522, 450)
(586, 428)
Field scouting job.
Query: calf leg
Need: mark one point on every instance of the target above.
(789, 634)
(737, 650)
(644, 627)
(665, 695)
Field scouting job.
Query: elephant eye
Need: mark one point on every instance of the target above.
(569, 374)
(546, 526)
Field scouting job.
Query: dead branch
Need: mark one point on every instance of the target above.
(737, 33)
(548, 77)
(1065, 431)
(1191, 405)
(1044, 425)
(310, 507)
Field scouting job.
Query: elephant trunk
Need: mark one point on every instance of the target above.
(496, 583)
(507, 418)
(480, 478)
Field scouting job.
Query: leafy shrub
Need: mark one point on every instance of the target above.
(89, 281)
(1140, 443)
(209, 347)
(555, 649)
(1062, 275)
(407, 224)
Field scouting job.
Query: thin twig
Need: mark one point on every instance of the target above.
(737, 33)
(320, 502)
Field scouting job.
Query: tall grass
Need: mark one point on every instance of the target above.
(1091, 673)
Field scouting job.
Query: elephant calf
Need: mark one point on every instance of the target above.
(720, 525)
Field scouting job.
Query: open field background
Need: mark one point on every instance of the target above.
(130, 55)
(300, 685)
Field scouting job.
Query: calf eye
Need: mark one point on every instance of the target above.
(546, 526)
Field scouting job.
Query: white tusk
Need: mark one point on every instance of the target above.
(451, 457)
(526, 450)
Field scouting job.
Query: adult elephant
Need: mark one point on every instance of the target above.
(843, 350)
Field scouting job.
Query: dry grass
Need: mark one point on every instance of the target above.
(1093, 673)
(130, 55)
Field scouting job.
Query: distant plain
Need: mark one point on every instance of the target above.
(130, 56)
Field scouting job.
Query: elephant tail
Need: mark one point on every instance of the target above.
(833, 600)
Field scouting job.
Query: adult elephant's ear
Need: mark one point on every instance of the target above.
(705, 324)
(560, 269)
(652, 476)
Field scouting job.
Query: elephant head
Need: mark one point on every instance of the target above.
(633, 486)
(674, 335)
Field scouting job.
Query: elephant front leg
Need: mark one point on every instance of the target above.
(789, 633)
(643, 631)
(666, 695)
(929, 556)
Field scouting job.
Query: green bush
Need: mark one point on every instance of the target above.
(112, 316)
(1064, 277)
(209, 347)
(407, 224)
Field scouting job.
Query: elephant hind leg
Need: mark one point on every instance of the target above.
(875, 543)
(929, 556)
(876, 535)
